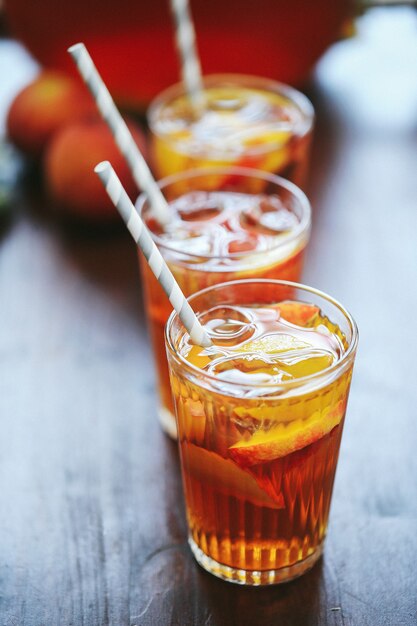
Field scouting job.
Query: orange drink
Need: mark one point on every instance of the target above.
(257, 225)
(260, 417)
(242, 120)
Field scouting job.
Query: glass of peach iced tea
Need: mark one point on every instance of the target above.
(241, 120)
(260, 417)
(224, 224)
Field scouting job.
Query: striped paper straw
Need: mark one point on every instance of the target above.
(156, 262)
(121, 133)
(190, 63)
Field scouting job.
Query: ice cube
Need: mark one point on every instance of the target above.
(195, 243)
(198, 206)
(273, 343)
(199, 214)
(248, 369)
(268, 216)
(244, 243)
(278, 221)
(228, 325)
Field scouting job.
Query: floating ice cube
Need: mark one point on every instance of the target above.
(268, 216)
(246, 242)
(249, 369)
(197, 206)
(273, 343)
(228, 325)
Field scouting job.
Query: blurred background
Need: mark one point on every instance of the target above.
(278, 39)
(74, 353)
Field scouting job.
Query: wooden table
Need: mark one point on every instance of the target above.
(92, 529)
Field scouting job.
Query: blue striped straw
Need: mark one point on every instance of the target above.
(151, 253)
(121, 133)
(186, 44)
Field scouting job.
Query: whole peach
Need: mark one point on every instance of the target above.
(44, 106)
(69, 163)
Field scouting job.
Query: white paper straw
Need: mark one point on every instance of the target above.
(156, 262)
(186, 44)
(121, 133)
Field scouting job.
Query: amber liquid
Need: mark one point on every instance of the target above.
(258, 473)
(292, 165)
(235, 236)
(243, 535)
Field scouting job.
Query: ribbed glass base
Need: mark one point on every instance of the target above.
(254, 577)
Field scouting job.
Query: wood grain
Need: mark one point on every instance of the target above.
(91, 513)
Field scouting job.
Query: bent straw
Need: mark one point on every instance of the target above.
(190, 62)
(120, 131)
(151, 253)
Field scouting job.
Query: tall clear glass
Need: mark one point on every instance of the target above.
(197, 271)
(259, 460)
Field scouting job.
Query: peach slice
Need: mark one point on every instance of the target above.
(226, 477)
(279, 155)
(285, 438)
(299, 313)
(272, 162)
(197, 358)
(170, 159)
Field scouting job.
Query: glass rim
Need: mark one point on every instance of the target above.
(302, 228)
(284, 385)
(295, 96)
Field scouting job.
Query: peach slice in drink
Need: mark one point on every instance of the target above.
(299, 313)
(225, 477)
(257, 157)
(286, 438)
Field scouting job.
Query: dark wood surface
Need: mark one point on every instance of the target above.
(92, 529)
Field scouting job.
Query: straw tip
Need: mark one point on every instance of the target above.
(77, 47)
(101, 167)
